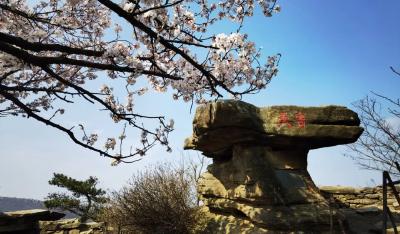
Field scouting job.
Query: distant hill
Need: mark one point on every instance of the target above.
(13, 204)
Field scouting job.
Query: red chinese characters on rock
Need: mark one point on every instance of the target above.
(301, 119)
(284, 120)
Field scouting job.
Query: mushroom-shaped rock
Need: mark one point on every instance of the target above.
(259, 172)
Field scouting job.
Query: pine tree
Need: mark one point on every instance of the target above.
(82, 199)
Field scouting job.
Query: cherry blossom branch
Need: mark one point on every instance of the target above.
(135, 13)
(393, 70)
(192, 43)
(40, 89)
(100, 101)
(49, 50)
(31, 17)
(131, 19)
(42, 60)
(71, 135)
(39, 46)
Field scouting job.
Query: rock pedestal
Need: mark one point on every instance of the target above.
(258, 181)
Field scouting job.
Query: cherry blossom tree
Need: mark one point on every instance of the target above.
(52, 50)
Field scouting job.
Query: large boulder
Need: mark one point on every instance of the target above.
(258, 181)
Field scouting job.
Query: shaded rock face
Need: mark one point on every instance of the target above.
(261, 175)
(25, 221)
(258, 181)
(44, 221)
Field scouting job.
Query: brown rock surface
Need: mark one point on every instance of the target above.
(278, 126)
(258, 182)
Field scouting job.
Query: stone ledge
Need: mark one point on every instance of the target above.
(278, 126)
(68, 224)
(36, 214)
(339, 189)
(46, 222)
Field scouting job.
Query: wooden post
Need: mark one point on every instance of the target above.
(384, 191)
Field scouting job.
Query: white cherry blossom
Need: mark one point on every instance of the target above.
(50, 50)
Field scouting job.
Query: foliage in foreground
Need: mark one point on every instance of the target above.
(158, 200)
(83, 199)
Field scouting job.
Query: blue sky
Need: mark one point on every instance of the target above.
(332, 53)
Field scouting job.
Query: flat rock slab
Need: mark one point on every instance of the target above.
(36, 214)
(25, 221)
(339, 190)
(218, 126)
(68, 224)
